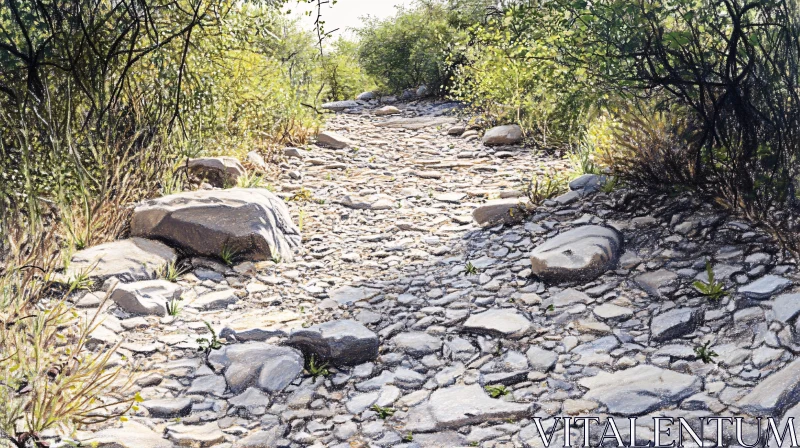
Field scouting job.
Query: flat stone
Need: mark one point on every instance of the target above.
(457, 406)
(387, 110)
(253, 223)
(252, 402)
(262, 438)
(334, 140)
(416, 123)
(588, 183)
(611, 311)
(775, 394)
(639, 390)
(541, 360)
(349, 295)
(130, 435)
(452, 198)
(338, 106)
(499, 322)
(196, 436)
(580, 254)
(128, 260)
(674, 323)
(653, 282)
(786, 307)
(168, 407)
(215, 300)
(765, 287)
(256, 364)
(499, 211)
(503, 135)
(221, 172)
(417, 343)
(340, 342)
(147, 298)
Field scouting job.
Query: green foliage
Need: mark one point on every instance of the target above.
(409, 49)
(383, 412)
(206, 345)
(316, 370)
(513, 73)
(714, 290)
(497, 390)
(174, 307)
(228, 254)
(547, 186)
(341, 73)
(470, 269)
(171, 272)
(705, 354)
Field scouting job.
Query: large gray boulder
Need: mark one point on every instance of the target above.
(340, 342)
(218, 171)
(580, 254)
(256, 364)
(640, 389)
(503, 135)
(128, 260)
(251, 222)
(148, 298)
(367, 96)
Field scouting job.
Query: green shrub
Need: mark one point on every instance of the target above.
(409, 49)
(512, 74)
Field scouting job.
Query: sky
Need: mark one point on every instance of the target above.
(347, 13)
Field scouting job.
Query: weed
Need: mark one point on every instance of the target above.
(206, 345)
(301, 219)
(497, 390)
(383, 412)
(302, 195)
(174, 307)
(277, 257)
(81, 281)
(317, 370)
(470, 269)
(171, 272)
(712, 289)
(542, 188)
(228, 255)
(610, 184)
(409, 437)
(704, 353)
(248, 180)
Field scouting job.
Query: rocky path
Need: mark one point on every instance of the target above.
(429, 330)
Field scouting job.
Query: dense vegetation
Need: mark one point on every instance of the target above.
(102, 102)
(674, 94)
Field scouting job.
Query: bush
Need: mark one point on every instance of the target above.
(409, 49)
(731, 65)
(341, 73)
(512, 74)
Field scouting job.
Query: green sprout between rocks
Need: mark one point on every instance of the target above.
(705, 354)
(497, 390)
(228, 255)
(409, 437)
(712, 289)
(315, 370)
(470, 269)
(171, 272)
(81, 281)
(206, 345)
(383, 412)
(174, 307)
